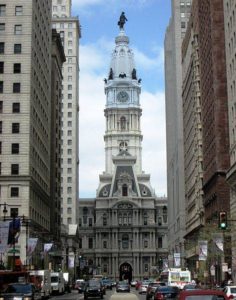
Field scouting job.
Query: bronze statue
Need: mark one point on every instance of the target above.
(122, 20)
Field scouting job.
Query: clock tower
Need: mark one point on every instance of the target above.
(123, 112)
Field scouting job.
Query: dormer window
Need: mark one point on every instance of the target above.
(124, 190)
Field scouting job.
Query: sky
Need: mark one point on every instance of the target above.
(146, 26)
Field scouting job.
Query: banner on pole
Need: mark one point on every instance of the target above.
(32, 242)
(4, 232)
(47, 247)
(71, 261)
(202, 250)
(177, 259)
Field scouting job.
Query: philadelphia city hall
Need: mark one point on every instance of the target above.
(123, 231)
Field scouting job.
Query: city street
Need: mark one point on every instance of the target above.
(74, 295)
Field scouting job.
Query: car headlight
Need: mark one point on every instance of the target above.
(1, 298)
(27, 298)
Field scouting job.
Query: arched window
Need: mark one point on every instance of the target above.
(125, 241)
(124, 190)
(122, 123)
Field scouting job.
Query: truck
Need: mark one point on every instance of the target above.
(57, 283)
(42, 280)
(67, 282)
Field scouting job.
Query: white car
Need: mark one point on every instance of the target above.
(133, 283)
(230, 291)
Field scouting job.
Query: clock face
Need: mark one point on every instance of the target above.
(122, 96)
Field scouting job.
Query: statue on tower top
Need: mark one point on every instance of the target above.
(122, 20)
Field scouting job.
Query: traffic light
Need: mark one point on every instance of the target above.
(222, 220)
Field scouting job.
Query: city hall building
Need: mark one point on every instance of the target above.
(123, 231)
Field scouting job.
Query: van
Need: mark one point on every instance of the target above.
(41, 280)
(57, 283)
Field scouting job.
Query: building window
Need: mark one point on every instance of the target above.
(1, 107)
(14, 169)
(69, 210)
(0, 126)
(145, 244)
(90, 243)
(69, 200)
(17, 48)
(159, 245)
(2, 10)
(159, 221)
(2, 48)
(1, 86)
(18, 10)
(104, 221)
(14, 192)
(16, 87)
(90, 222)
(69, 220)
(80, 222)
(16, 107)
(0, 150)
(15, 148)
(1, 67)
(17, 68)
(105, 244)
(124, 190)
(145, 219)
(2, 27)
(125, 241)
(15, 127)
(14, 212)
(18, 29)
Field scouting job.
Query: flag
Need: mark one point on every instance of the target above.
(14, 231)
(4, 232)
(32, 242)
(177, 259)
(47, 247)
(71, 261)
(202, 250)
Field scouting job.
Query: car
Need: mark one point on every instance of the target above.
(93, 288)
(137, 285)
(133, 283)
(202, 294)
(230, 291)
(143, 287)
(151, 289)
(107, 283)
(21, 291)
(122, 286)
(166, 292)
(79, 285)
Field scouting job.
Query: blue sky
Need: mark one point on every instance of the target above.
(146, 26)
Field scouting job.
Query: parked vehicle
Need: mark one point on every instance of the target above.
(122, 286)
(67, 282)
(164, 292)
(138, 283)
(42, 280)
(230, 291)
(21, 291)
(202, 294)
(133, 283)
(93, 289)
(79, 285)
(57, 283)
(143, 287)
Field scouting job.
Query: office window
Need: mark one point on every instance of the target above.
(145, 244)
(69, 43)
(14, 192)
(15, 127)
(69, 78)
(70, 52)
(14, 212)
(14, 169)
(1, 107)
(16, 87)
(69, 151)
(69, 190)
(18, 10)
(90, 222)
(0, 147)
(69, 161)
(69, 220)
(17, 68)
(69, 210)
(63, 8)
(15, 148)
(69, 123)
(62, 25)
(69, 96)
(1, 86)
(1, 67)
(2, 10)
(159, 242)
(17, 48)
(70, 25)
(70, 34)
(69, 114)
(2, 27)
(69, 170)
(70, 87)
(18, 29)
(2, 47)
(16, 107)
(69, 201)
(0, 126)
(104, 244)
(54, 8)
(90, 243)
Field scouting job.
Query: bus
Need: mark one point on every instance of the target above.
(176, 277)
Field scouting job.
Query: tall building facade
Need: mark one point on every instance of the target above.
(230, 33)
(174, 126)
(69, 30)
(123, 231)
(25, 121)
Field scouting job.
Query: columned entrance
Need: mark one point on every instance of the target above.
(126, 272)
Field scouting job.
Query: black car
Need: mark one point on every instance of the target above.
(166, 292)
(21, 291)
(93, 288)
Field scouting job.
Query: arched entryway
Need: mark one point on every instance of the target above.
(126, 272)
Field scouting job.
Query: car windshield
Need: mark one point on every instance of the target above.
(54, 279)
(19, 288)
(205, 297)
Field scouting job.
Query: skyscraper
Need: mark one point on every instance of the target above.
(69, 30)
